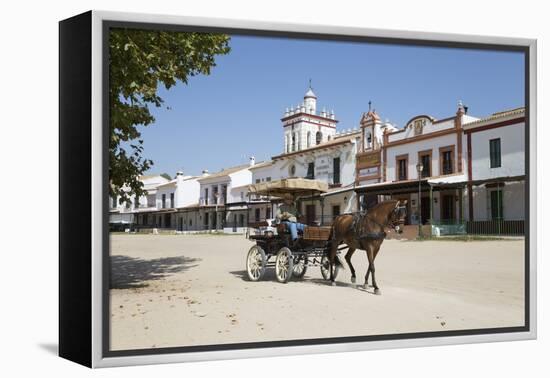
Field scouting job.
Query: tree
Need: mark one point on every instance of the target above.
(140, 61)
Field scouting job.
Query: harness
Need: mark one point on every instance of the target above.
(356, 226)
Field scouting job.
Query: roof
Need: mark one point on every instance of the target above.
(225, 172)
(450, 179)
(496, 116)
(262, 164)
(295, 186)
(174, 181)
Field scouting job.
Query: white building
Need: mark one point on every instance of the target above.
(176, 194)
(471, 170)
(495, 150)
(434, 145)
(122, 215)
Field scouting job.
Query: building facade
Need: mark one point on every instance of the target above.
(458, 173)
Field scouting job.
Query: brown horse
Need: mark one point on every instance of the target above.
(366, 232)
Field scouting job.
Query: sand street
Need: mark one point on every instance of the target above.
(179, 290)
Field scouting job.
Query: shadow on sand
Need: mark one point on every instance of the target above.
(269, 275)
(129, 272)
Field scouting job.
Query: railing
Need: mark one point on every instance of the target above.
(496, 227)
(147, 205)
(488, 227)
(211, 201)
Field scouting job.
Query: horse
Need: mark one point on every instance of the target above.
(365, 231)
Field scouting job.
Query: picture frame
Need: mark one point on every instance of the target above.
(84, 278)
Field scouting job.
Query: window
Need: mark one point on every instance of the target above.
(496, 205)
(308, 140)
(446, 155)
(242, 196)
(267, 213)
(268, 179)
(206, 196)
(336, 170)
(293, 142)
(172, 204)
(494, 150)
(241, 220)
(426, 161)
(335, 210)
(369, 139)
(113, 203)
(257, 215)
(310, 171)
(224, 193)
(257, 181)
(402, 167)
(318, 137)
(164, 201)
(287, 144)
(292, 170)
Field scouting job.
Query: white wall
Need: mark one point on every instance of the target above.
(166, 190)
(323, 160)
(512, 145)
(187, 191)
(513, 202)
(412, 150)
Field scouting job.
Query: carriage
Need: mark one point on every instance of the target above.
(273, 244)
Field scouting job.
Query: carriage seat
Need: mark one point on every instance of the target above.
(317, 233)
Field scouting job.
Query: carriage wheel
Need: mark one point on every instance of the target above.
(255, 263)
(300, 267)
(325, 268)
(284, 265)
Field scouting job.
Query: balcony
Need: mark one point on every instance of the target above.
(211, 201)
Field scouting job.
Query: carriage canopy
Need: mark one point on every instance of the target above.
(295, 186)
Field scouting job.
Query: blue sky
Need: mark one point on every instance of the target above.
(218, 121)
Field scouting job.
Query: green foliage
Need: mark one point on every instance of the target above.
(140, 61)
(166, 176)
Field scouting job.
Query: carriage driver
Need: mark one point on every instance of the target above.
(287, 214)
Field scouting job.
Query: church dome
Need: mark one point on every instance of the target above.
(310, 94)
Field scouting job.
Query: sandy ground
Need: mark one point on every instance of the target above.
(176, 290)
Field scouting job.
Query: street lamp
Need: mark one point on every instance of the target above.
(419, 169)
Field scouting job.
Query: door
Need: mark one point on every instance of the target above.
(448, 208)
(234, 222)
(496, 205)
(310, 214)
(425, 209)
(206, 221)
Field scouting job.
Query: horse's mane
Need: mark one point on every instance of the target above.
(381, 207)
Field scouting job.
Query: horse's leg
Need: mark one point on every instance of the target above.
(332, 260)
(376, 289)
(350, 252)
(370, 257)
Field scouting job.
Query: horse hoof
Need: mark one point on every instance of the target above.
(365, 286)
(333, 283)
(352, 280)
(377, 292)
